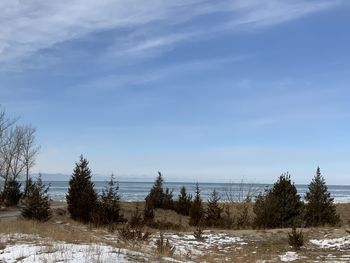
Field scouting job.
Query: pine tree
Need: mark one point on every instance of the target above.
(109, 206)
(12, 192)
(156, 194)
(157, 197)
(213, 213)
(196, 211)
(183, 204)
(168, 202)
(136, 217)
(81, 197)
(37, 202)
(148, 213)
(280, 206)
(320, 209)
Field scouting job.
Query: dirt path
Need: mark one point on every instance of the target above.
(15, 213)
(9, 214)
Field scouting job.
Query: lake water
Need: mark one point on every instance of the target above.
(135, 191)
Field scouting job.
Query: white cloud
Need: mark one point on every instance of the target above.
(28, 26)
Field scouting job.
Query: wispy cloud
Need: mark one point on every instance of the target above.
(30, 26)
(120, 81)
(266, 13)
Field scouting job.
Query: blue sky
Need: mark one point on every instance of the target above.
(201, 90)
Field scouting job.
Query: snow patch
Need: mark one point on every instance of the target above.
(64, 252)
(186, 244)
(335, 243)
(289, 256)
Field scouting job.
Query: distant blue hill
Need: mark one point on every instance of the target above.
(66, 177)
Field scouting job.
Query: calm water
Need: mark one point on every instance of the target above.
(132, 191)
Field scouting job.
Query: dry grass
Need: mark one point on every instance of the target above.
(344, 213)
(262, 244)
(68, 232)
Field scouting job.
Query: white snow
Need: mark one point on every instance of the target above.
(336, 243)
(31, 248)
(187, 244)
(61, 252)
(289, 256)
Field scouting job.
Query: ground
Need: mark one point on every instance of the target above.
(63, 240)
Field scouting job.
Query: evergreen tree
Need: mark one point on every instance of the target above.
(320, 209)
(12, 192)
(148, 213)
(196, 210)
(183, 204)
(81, 197)
(156, 194)
(213, 213)
(136, 217)
(168, 202)
(37, 202)
(279, 206)
(109, 206)
(157, 197)
(262, 210)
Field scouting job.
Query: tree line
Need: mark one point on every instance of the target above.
(278, 206)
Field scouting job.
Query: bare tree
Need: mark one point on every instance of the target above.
(241, 192)
(5, 124)
(30, 151)
(238, 200)
(18, 151)
(12, 152)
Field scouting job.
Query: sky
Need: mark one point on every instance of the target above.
(209, 91)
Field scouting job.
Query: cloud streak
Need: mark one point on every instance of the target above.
(31, 26)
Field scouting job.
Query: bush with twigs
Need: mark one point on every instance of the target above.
(129, 233)
(164, 247)
(296, 238)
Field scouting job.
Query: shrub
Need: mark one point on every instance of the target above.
(228, 219)
(319, 209)
(163, 246)
(198, 234)
(196, 211)
(81, 197)
(183, 204)
(37, 203)
(128, 233)
(243, 219)
(12, 192)
(136, 217)
(148, 213)
(296, 239)
(279, 206)
(239, 197)
(213, 212)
